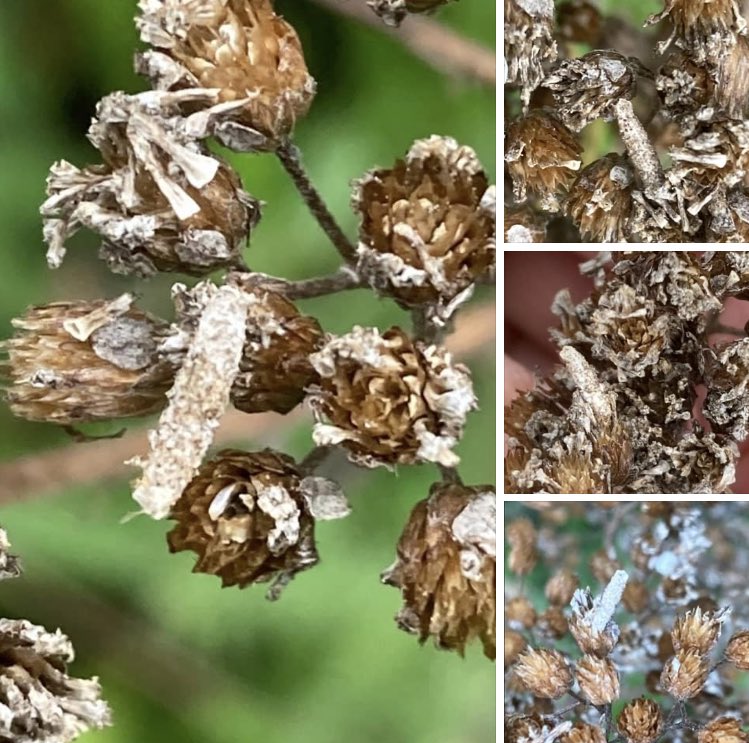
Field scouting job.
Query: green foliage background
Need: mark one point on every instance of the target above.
(180, 659)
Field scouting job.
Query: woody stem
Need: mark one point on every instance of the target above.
(291, 159)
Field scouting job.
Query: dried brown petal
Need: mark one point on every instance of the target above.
(542, 156)
(685, 674)
(389, 400)
(521, 536)
(239, 48)
(446, 568)
(737, 651)
(160, 201)
(544, 672)
(40, 701)
(598, 680)
(640, 721)
(246, 518)
(73, 362)
(427, 225)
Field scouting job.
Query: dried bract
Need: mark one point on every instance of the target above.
(598, 679)
(389, 400)
(247, 60)
(159, 201)
(698, 630)
(72, 362)
(446, 568)
(685, 674)
(427, 226)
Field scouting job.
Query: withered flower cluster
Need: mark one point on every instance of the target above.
(657, 652)
(160, 200)
(39, 701)
(678, 110)
(622, 413)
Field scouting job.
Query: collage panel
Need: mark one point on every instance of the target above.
(626, 621)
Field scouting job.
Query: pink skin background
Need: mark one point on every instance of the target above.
(531, 281)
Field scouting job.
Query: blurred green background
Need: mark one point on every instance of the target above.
(179, 658)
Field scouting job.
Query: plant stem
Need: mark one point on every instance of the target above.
(291, 159)
(343, 280)
(314, 459)
(450, 475)
(423, 330)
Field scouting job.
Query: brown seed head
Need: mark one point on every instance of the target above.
(561, 587)
(737, 650)
(600, 199)
(697, 630)
(685, 674)
(544, 672)
(246, 517)
(446, 568)
(521, 536)
(636, 596)
(241, 48)
(603, 566)
(514, 645)
(640, 721)
(598, 680)
(427, 225)
(160, 201)
(542, 155)
(584, 626)
(72, 362)
(519, 612)
(553, 623)
(520, 728)
(722, 730)
(583, 732)
(389, 400)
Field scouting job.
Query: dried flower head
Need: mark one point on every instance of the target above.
(737, 650)
(529, 43)
(579, 21)
(40, 701)
(160, 201)
(587, 87)
(72, 362)
(246, 517)
(640, 721)
(583, 732)
(543, 672)
(553, 623)
(521, 536)
(390, 400)
(600, 199)
(598, 679)
(727, 402)
(722, 730)
(591, 622)
(246, 59)
(561, 587)
(519, 613)
(427, 225)
(446, 568)
(542, 155)
(514, 645)
(684, 676)
(698, 630)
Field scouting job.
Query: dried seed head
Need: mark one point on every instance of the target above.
(603, 566)
(727, 376)
(587, 87)
(579, 21)
(275, 369)
(685, 674)
(543, 672)
(389, 400)
(698, 630)
(636, 597)
(600, 199)
(522, 224)
(591, 622)
(160, 201)
(561, 587)
(521, 536)
(514, 645)
(40, 701)
(247, 59)
(427, 225)
(523, 728)
(722, 730)
(519, 613)
(246, 518)
(393, 12)
(553, 623)
(542, 155)
(598, 680)
(737, 650)
(446, 568)
(640, 721)
(529, 43)
(73, 362)
(583, 732)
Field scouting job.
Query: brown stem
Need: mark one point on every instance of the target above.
(343, 280)
(291, 158)
(450, 475)
(314, 459)
(424, 330)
